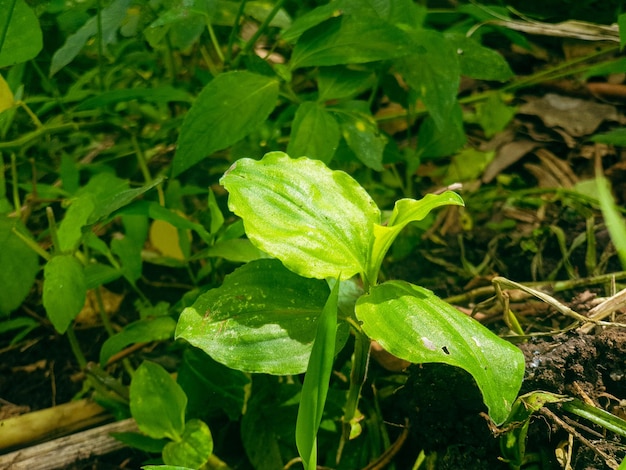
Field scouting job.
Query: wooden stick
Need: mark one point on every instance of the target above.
(63, 451)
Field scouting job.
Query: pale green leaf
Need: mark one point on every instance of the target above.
(19, 265)
(308, 20)
(316, 381)
(64, 290)
(349, 39)
(613, 218)
(141, 331)
(413, 324)
(314, 133)
(231, 106)
(157, 402)
(20, 33)
(193, 449)
(433, 71)
(318, 222)
(468, 165)
(404, 212)
(494, 115)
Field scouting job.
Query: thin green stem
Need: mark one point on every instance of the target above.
(31, 244)
(20, 143)
(53, 229)
(99, 36)
(358, 374)
(106, 322)
(78, 353)
(215, 42)
(16, 194)
(233, 32)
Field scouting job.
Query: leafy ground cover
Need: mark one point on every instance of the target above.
(291, 234)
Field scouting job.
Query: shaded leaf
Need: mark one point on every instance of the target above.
(435, 142)
(314, 133)
(19, 265)
(231, 106)
(478, 61)
(298, 210)
(64, 290)
(413, 324)
(338, 82)
(362, 135)
(349, 40)
(20, 33)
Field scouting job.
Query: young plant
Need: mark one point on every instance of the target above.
(279, 316)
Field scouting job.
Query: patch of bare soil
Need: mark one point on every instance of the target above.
(447, 414)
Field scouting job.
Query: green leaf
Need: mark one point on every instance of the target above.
(318, 222)
(20, 33)
(64, 290)
(157, 402)
(478, 61)
(261, 319)
(314, 133)
(404, 212)
(443, 141)
(308, 20)
(202, 377)
(316, 381)
(19, 265)
(612, 137)
(349, 40)
(70, 229)
(468, 165)
(141, 331)
(493, 114)
(231, 106)
(413, 324)
(613, 218)
(193, 449)
(112, 17)
(335, 83)
(433, 71)
(362, 135)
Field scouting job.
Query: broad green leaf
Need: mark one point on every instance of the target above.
(436, 142)
(613, 218)
(349, 39)
(494, 115)
(202, 377)
(20, 33)
(231, 106)
(404, 212)
(141, 331)
(362, 135)
(318, 222)
(193, 449)
(314, 133)
(64, 290)
(261, 319)
(335, 83)
(140, 441)
(129, 254)
(316, 381)
(70, 229)
(468, 165)
(478, 61)
(433, 71)
(19, 265)
(157, 402)
(238, 250)
(612, 137)
(112, 18)
(413, 324)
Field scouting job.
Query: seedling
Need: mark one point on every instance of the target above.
(291, 314)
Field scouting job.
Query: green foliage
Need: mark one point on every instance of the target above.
(20, 33)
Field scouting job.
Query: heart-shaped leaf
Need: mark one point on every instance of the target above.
(414, 324)
(193, 449)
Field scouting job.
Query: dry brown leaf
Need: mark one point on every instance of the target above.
(577, 117)
(506, 156)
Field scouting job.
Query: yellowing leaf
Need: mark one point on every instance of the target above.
(164, 238)
(6, 95)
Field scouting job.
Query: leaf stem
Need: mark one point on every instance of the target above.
(252, 41)
(78, 353)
